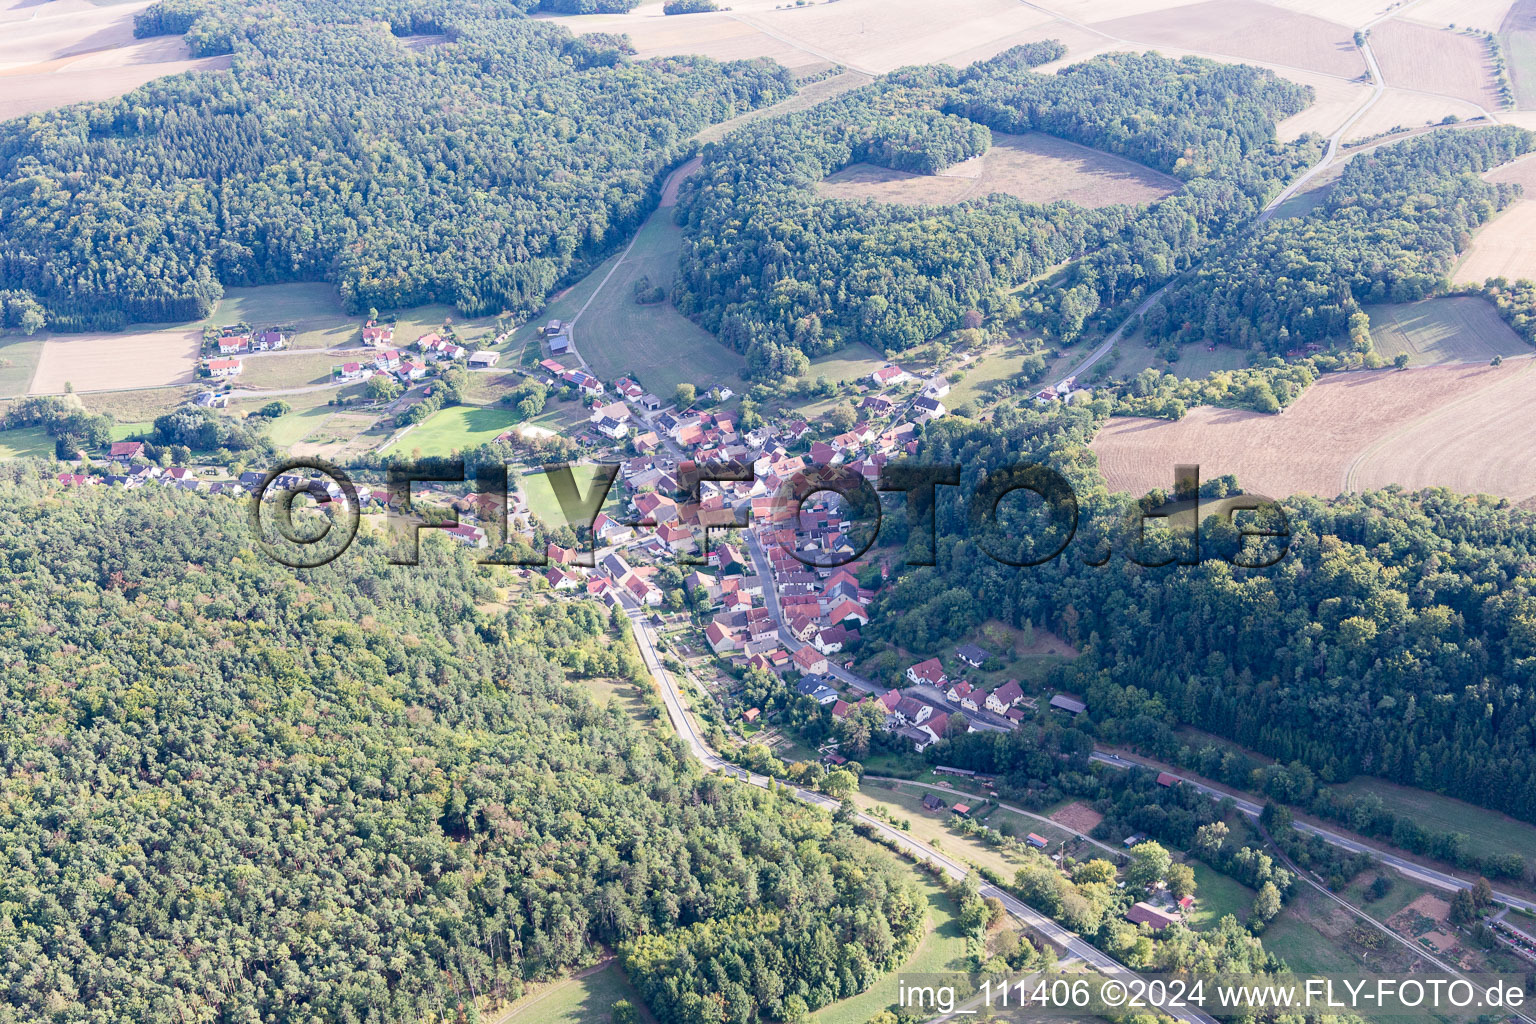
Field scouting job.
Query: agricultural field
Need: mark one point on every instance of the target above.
(999, 365)
(18, 360)
(586, 997)
(1518, 34)
(453, 429)
(1036, 168)
(1440, 331)
(1437, 60)
(1400, 110)
(294, 368)
(1505, 246)
(1314, 936)
(116, 362)
(25, 442)
(137, 406)
(71, 51)
(1483, 15)
(1249, 30)
(654, 343)
(1348, 430)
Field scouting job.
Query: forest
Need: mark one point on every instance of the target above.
(775, 270)
(232, 792)
(1388, 231)
(1394, 637)
(483, 172)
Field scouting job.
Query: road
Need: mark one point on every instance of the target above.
(1430, 876)
(688, 731)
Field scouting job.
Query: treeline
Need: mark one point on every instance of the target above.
(1390, 639)
(230, 791)
(777, 271)
(482, 173)
(1388, 231)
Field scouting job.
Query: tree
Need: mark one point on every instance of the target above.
(685, 395)
(1097, 870)
(1149, 863)
(1181, 881)
(1211, 837)
(383, 388)
(843, 416)
(1463, 907)
(839, 784)
(1482, 894)
(1400, 361)
(1266, 905)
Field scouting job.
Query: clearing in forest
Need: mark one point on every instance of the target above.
(1037, 168)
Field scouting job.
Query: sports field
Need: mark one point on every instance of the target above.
(1451, 330)
(1036, 168)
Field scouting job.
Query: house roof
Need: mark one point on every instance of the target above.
(930, 671)
(1146, 913)
(1066, 703)
(970, 652)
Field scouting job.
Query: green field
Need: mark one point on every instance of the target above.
(998, 364)
(541, 496)
(18, 359)
(1216, 896)
(319, 322)
(654, 343)
(25, 442)
(847, 364)
(942, 950)
(1461, 329)
(585, 999)
(454, 429)
(1487, 831)
(1305, 948)
(288, 369)
(1194, 362)
(292, 427)
(124, 431)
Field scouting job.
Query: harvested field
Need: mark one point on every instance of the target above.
(1520, 172)
(1335, 101)
(1436, 331)
(1346, 12)
(1247, 29)
(1435, 60)
(1313, 447)
(115, 362)
(716, 35)
(1077, 817)
(1519, 36)
(1398, 108)
(1483, 15)
(70, 51)
(1482, 444)
(1505, 247)
(1036, 168)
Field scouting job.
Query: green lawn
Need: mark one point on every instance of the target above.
(1487, 831)
(124, 431)
(1003, 363)
(25, 442)
(541, 495)
(1303, 947)
(847, 364)
(582, 1000)
(18, 359)
(1194, 362)
(288, 370)
(654, 343)
(454, 429)
(942, 950)
(274, 304)
(1216, 896)
(292, 427)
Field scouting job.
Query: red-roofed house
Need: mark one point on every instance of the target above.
(846, 610)
(224, 367)
(809, 661)
(930, 672)
(1005, 697)
(720, 639)
(126, 449)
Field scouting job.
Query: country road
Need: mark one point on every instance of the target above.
(686, 729)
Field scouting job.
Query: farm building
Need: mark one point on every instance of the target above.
(560, 344)
(1071, 705)
(933, 803)
(1168, 779)
(1146, 913)
(961, 809)
(1035, 840)
(484, 360)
